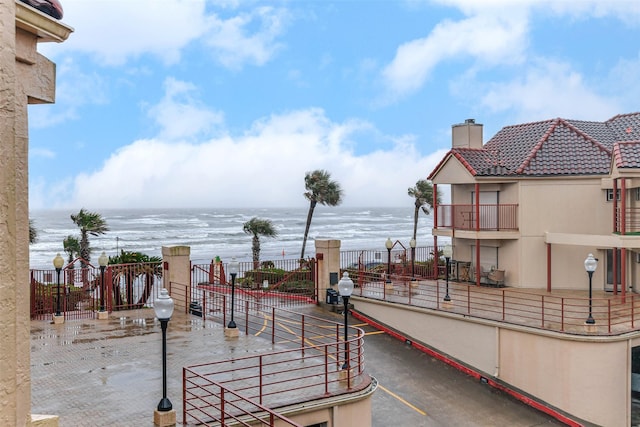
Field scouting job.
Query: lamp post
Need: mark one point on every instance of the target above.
(412, 244)
(163, 307)
(590, 264)
(58, 262)
(345, 287)
(389, 245)
(103, 260)
(447, 252)
(233, 271)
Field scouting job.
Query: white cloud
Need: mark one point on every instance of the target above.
(263, 168)
(487, 38)
(179, 116)
(549, 90)
(113, 32)
(233, 43)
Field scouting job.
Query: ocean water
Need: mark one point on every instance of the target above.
(218, 232)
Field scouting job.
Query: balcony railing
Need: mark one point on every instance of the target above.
(488, 217)
(631, 221)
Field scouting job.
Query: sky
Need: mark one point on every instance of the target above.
(228, 103)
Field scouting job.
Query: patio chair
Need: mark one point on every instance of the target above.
(496, 277)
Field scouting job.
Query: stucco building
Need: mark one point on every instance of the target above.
(537, 198)
(26, 77)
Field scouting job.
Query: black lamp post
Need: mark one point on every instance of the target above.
(412, 244)
(345, 287)
(447, 252)
(103, 260)
(58, 262)
(163, 307)
(233, 271)
(389, 245)
(590, 264)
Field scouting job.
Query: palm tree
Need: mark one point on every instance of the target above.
(71, 246)
(33, 233)
(131, 266)
(320, 189)
(423, 194)
(258, 227)
(89, 223)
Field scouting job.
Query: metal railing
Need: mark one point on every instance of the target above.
(312, 365)
(376, 262)
(492, 217)
(125, 287)
(614, 315)
(283, 283)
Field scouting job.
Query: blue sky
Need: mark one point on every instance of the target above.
(194, 103)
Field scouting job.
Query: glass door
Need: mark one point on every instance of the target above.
(609, 282)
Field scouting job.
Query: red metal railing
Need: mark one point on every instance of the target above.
(313, 366)
(492, 217)
(631, 223)
(125, 287)
(613, 315)
(377, 262)
(282, 283)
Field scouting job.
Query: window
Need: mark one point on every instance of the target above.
(610, 194)
(638, 193)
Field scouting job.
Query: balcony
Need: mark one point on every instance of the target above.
(631, 223)
(484, 217)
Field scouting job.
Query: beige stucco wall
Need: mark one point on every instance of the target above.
(328, 258)
(26, 77)
(588, 377)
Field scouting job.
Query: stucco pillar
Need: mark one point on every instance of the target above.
(26, 77)
(176, 262)
(15, 384)
(328, 258)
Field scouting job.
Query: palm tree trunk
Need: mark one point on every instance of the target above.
(415, 220)
(312, 206)
(255, 248)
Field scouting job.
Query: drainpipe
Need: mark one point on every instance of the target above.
(477, 231)
(623, 254)
(548, 267)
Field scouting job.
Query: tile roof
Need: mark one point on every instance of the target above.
(556, 147)
(626, 154)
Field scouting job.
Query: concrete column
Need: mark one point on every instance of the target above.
(177, 274)
(15, 386)
(328, 257)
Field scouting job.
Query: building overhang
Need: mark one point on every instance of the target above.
(595, 240)
(46, 28)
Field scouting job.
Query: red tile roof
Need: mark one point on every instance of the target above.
(555, 147)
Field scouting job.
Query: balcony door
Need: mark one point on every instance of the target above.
(488, 209)
(609, 283)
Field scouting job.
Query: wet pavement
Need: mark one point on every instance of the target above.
(109, 373)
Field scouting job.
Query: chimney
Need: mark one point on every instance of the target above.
(466, 135)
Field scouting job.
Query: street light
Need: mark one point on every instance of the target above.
(345, 287)
(103, 260)
(58, 262)
(412, 243)
(163, 307)
(233, 271)
(590, 264)
(389, 245)
(447, 252)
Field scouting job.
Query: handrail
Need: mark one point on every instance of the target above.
(309, 364)
(567, 314)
